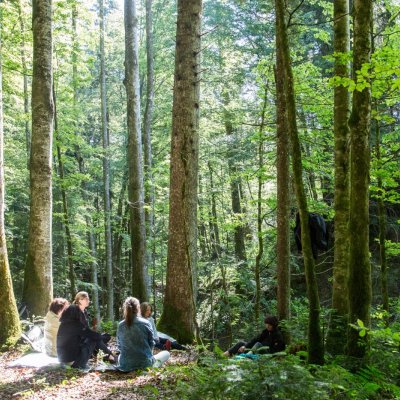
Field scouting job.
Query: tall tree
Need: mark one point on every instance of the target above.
(135, 163)
(10, 330)
(359, 265)
(336, 339)
(106, 171)
(282, 189)
(38, 269)
(315, 339)
(178, 316)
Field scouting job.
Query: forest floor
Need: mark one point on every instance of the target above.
(64, 384)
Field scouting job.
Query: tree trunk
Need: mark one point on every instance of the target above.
(66, 221)
(38, 270)
(359, 267)
(135, 164)
(381, 221)
(315, 340)
(282, 191)
(239, 235)
(178, 316)
(336, 339)
(260, 179)
(25, 74)
(106, 172)
(10, 329)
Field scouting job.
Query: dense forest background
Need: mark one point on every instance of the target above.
(235, 273)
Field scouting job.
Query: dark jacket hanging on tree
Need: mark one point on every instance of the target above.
(318, 233)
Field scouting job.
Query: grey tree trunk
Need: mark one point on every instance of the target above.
(178, 317)
(359, 267)
(336, 339)
(135, 163)
(10, 329)
(25, 75)
(38, 269)
(106, 172)
(315, 339)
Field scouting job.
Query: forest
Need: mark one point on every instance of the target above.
(223, 160)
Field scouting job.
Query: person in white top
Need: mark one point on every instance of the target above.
(52, 323)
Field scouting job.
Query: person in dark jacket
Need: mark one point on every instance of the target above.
(270, 337)
(76, 342)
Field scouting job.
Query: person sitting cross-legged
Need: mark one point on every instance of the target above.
(271, 337)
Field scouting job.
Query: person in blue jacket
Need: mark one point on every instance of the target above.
(135, 339)
(271, 337)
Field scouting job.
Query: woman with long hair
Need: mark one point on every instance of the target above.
(135, 340)
(76, 342)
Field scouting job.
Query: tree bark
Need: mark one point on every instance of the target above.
(359, 266)
(10, 329)
(178, 317)
(336, 339)
(38, 269)
(282, 190)
(25, 75)
(315, 339)
(66, 222)
(135, 164)
(106, 172)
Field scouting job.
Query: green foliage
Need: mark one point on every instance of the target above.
(109, 327)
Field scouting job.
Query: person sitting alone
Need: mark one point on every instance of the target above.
(51, 325)
(135, 339)
(270, 337)
(163, 341)
(76, 342)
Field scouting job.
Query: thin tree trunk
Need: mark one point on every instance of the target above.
(25, 75)
(38, 270)
(381, 221)
(315, 340)
(179, 312)
(91, 240)
(135, 164)
(336, 339)
(214, 229)
(106, 172)
(66, 222)
(259, 207)
(282, 190)
(10, 329)
(359, 266)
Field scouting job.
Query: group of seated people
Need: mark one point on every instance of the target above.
(69, 337)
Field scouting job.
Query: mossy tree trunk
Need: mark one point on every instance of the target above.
(38, 276)
(315, 339)
(135, 162)
(178, 317)
(282, 188)
(10, 330)
(359, 267)
(336, 339)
